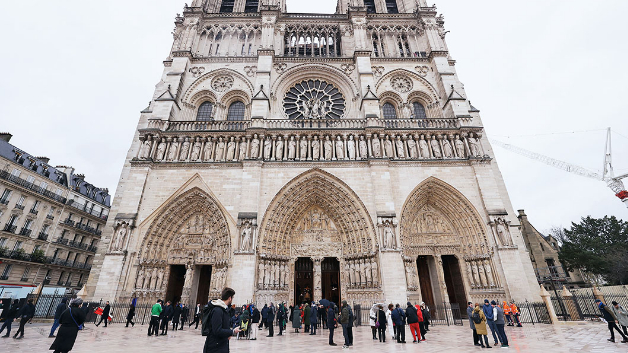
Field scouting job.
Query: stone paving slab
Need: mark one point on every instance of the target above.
(585, 337)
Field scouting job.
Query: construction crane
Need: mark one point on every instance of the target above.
(615, 183)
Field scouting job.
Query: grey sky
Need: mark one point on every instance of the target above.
(77, 73)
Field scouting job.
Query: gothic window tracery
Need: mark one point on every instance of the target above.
(370, 6)
(389, 111)
(205, 112)
(314, 99)
(391, 6)
(312, 41)
(251, 6)
(418, 111)
(227, 6)
(236, 111)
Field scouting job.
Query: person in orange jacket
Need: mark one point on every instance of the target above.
(507, 313)
(515, 313)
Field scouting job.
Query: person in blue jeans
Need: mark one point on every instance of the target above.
(498, 315)
(61, 307)
(490, 319)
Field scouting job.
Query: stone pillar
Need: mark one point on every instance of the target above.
(570, 305)
(597, 294)
(440, 272)
(187, 286)
(547, 299)
(318, 288)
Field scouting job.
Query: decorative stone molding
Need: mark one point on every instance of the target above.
(247, 230)
(222, 83)
(387, 224)
(401, 84)
(250, 70)
(423, 70)
(197, 71)
(347, 68)
(378, 71)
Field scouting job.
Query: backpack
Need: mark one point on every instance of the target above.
(476, 317)
(206, 322)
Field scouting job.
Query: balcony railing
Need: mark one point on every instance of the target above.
(24, 280)
(83, 227)
(92, 248)
(50, 217)
(4, 202)
(62, 241)
(84, 208)
(42, 236)
(551, 274)
(207, 125)
(19, 207)
(60, 283)
(26, 232)
(4, 278)
(77, 245)
(33, 211)
(10, 228)
(69, 222)
(30, 186)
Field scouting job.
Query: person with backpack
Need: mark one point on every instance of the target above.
(470, 308)
(26, 314)
(11, 315)
(399, 319)
(344, 321)
(479, 321)
(490, 320)
(155, 314)
(71, 321)
(245, 320)
(498, 314)
(413, 322)
(216, 323)
(610, 318)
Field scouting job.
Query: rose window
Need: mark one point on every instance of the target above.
(314, 99)
(401, 84)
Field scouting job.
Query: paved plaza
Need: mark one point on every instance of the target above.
(585, 337)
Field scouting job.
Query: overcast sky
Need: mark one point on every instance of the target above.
(77, 74)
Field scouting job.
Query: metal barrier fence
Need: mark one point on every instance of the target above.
(442, 314)
(533, 313)
(581, 304)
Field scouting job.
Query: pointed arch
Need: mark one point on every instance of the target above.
(327, 192)
(437, 213)
(424, 86)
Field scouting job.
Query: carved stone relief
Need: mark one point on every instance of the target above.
(222, 83)
(401, 84)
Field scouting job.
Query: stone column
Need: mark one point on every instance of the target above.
(187, 286)
(569, 304)
(440, 272)
(318, 288)
(548, 303)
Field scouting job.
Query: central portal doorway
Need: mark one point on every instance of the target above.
(330, 272)
(454, 282)
(425, 280)
(176, 280)
(303, 280)
(204, 280)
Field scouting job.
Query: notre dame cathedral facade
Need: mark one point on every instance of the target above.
(299, 156)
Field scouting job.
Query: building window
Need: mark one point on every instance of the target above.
(3, 241)
(35, 207)
(51, 212)
(251, 6)
(6, 194)
(30, 179)
(25, 274)
(205, 112)
(389, 111)
(6, 272)
(391, 6)
(542, 247)
(18, 245)
(43, 186)
(227, 6)
(370, 6)
(314, 99)
(28, 224)
(16, 173)
(236, 111)
(80, 281)
(55, 254)
(419, 110)
(20, 202)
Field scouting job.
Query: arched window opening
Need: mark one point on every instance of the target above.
(419, 111)
(227, 6)
(205, 112)
(236, 111)
(391, 6)
(389, 111)
(251, 6)
(370, 6)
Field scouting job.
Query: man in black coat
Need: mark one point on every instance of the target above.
(264, 316)
(11, 314)
(255, 318)
(216, 325)
(270, 322)
(197, 316)
(27, 313)
(105, 314)
(413, 322)
(166, 316)
(60, 309)
(331, 324)
(185, 314)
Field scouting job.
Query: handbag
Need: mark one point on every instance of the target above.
(80, 327)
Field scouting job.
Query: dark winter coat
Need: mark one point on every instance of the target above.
(106, 311)
(176, 314)
(12, 312)
(344, 314)
(28, 311)
(381, 318)
(306, 314)
(264, 313)
(70, 321)
(255, 317)
(167, 313)
(606, 313)
(314, 316)
(398, 316)
(131, 314)
(411, 314)
(331, 317)
(185, 313)
(271, 317)
(217, 340)
(296, 318)
(351, 317)
(61, 307)
(470, 315)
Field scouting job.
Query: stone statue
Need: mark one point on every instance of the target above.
(188, 276)
(389, 237)
(377, 148)
(363, 148)
(285, 275)
(303, 149)
(260, 275)
(120, 237)
(388, 148)
(400, 150)
(220, 150)
(255, 147)
(375, 273)
(482, 274)
(412, 148)
(245, 245)
(145, 150)
(140, 280)
(448, 151)
(367, 272)
(340, 148)
(231, 149)
(502, 232)
(351, 148)
(459, 147)
(316, 149)
(161, 150)
(242, 148)
(160, 278)
(268, 145)
(406, 111)
(196, 151)
(327, 147)
(436, 147)
(292, 148)
(279, 149)
(474, 147)
(174, 147)
(424, 148)
(153, 282)
(208, 150)
(489, 273)
(349, 276)
(185, 150)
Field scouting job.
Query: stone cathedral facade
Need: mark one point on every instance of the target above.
(296, 157)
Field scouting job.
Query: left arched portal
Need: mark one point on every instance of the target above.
(185, 252)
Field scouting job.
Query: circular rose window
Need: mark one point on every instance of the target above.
(314, 99)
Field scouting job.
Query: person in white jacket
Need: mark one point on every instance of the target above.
(389, 322)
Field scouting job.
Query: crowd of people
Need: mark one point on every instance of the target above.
(494, 317)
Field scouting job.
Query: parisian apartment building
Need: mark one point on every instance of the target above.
(51, 221)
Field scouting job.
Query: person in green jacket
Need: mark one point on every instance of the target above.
(306, 317)
(155, 313)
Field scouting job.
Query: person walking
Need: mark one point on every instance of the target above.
(26, 314)
(381, 323)
(413, 321)
(419, 313)
(307, 312)
(197, 316)
(344, 322)
(130, 316)
(322, 317)
(296, 319)
(270, 322)
(610, 318)
(105, 314)
(176, 316)
(61, 307)
(185, 314)
(264, 316)
(622, 316)
(399, 317)
(490, 320)
(498, 314)
(476, 338)
(426, 316)
(479, 321)
(11, 315)
(313, 319)
(155, 315)
(331, 323)
(350, 325)
(71, 320)
(216, 321)
(255, 318)
(166, 316)
(514, 311)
